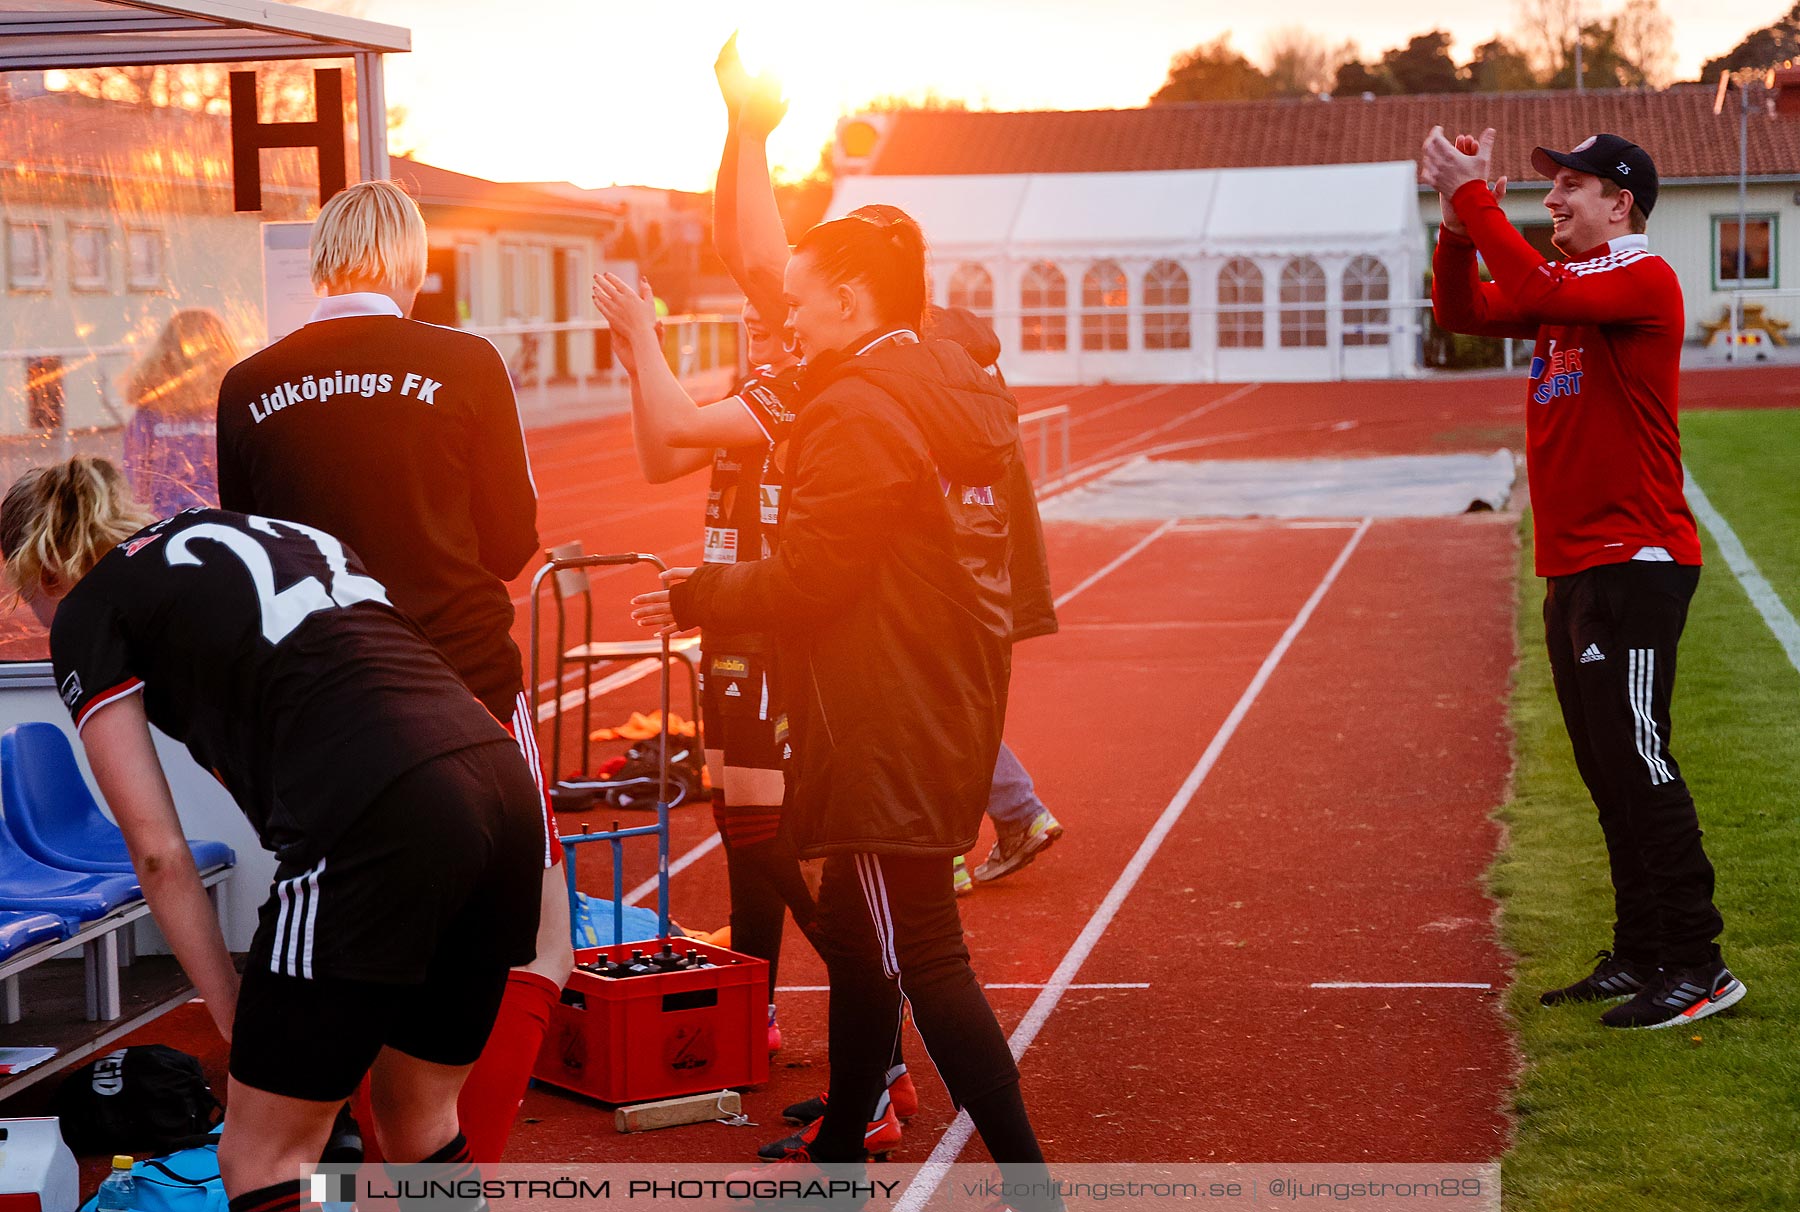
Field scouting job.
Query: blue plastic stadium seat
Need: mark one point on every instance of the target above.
(52, 814)
(21, 930)
(76, 896)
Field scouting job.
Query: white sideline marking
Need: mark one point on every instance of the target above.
(1115, 564)
(1768, 603)
(1399, 985)
(931, 1175)
(827, 988)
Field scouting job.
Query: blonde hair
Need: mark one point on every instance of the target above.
(57, 522)
(371, 233)
(182, 371)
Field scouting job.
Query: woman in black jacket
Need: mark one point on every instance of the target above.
(891, 607)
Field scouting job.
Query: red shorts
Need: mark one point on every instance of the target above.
(523, 729)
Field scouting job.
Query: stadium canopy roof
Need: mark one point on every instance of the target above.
(1349, 207)
(40, 35)
(46, 35)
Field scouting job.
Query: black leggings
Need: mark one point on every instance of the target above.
(888, 929)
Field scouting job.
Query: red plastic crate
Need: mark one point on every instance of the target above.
(663, 1035)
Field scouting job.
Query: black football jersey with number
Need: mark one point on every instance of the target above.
(266, 648)
(743, 502)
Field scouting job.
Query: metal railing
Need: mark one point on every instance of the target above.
(1040, 422)
(1084, 338)
(551, 376)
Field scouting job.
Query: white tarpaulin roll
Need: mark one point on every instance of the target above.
(1406, 486)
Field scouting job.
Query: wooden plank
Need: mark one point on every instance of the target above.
(674, 1112)
(53, 996)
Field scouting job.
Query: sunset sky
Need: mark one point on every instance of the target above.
(600, 92)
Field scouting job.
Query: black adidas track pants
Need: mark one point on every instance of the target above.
(1612, 633)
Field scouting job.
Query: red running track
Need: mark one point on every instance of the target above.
(1338, 835)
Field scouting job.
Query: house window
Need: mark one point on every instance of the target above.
(1302, 305)
(509, 284)
(28, 256)
(1166, 307)
(1758, 243)
(466, 255)
(1044, 309)
(535, 277)
(1540, 237)
(87, 257)
(971, 286)
(144, 259)
(1365, 281)
(1240, 305)
(1105, 298)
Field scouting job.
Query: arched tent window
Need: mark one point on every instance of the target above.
(1044, 309)
(1240, 305)
(1166, 307)
(972, 286)
(1365, 281)
(1302, 304)
(1105, 300)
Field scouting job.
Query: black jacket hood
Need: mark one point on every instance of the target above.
(969, 419)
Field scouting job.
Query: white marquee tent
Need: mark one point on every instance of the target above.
(1253, 273)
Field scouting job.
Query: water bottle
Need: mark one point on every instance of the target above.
(119, 1192)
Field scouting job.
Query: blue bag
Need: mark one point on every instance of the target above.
(594, 922)
(184, 1181)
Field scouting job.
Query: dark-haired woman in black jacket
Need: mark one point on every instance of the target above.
(891, 607)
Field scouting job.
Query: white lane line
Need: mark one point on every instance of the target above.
(1399, 985)
(827, 988)
(1258, 524)
(1115, 564)
(675, 868)
(598, 689)
(1768, 603)
(937, 1166)
(1094, 985)
(1130, 401)
(1063, 483)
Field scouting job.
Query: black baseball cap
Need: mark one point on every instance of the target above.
(1617, 159)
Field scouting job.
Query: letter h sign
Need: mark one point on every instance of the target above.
(249, 136)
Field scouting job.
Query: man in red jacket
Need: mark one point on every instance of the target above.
(1615, 540)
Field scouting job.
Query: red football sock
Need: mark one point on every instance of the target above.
(496, 1087)
(363, 1111)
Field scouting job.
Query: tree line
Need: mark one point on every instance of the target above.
(1631, 47)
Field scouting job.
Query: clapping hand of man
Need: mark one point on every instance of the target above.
(1447, 166)
(632, 316)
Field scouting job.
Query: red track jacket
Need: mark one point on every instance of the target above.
(1603, 449)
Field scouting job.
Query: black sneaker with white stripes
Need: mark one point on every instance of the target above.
(1677, 996)
(1613, 977)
